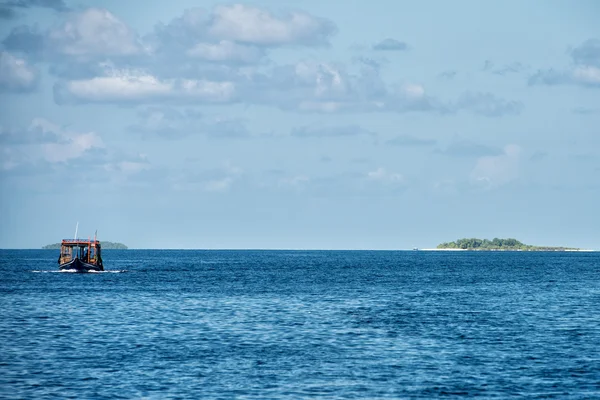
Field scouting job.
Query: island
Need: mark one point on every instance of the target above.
(105, 246)
(497, 244)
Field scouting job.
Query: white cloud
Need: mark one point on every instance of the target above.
(306, 86)
(295, 181)
(312, 87)
(46, 142)
(390, 44)
(321, 106)
(10, 158)
(124, 88)
(225, 50)
(327, 78)
(234, 34)
(587, 75)
(229, 33)
(218, 185)
(249, 24)
(223, 178)
(94, 31)
(588, 53)
(331, 131)
(70, 145)
(165, 122)
(493, 171)
(215, 180)
(171, 76)
(47, 155)
(324, 87)
(414, 91)
(446, 186)
(15, 73)
(129, 166)
(141, 87)
(585, 70)
(9, 7)
(488, 105)
(206, 90)
(382, 175)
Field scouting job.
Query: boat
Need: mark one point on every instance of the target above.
(80, 255)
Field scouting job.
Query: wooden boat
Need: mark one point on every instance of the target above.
(80, 255)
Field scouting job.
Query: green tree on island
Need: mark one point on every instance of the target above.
(496, 244)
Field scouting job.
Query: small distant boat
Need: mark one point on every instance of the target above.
(80, 255)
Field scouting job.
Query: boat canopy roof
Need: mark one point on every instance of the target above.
(80, 242)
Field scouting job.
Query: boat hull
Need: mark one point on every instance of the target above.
(80, 266)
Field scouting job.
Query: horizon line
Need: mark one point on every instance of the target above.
(313, 249)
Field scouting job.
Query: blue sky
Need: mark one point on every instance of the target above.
(281, 124)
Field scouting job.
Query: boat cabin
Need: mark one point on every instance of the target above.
(88, 251)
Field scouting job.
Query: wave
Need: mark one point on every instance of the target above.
(74, 271)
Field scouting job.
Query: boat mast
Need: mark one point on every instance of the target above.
(76, 228)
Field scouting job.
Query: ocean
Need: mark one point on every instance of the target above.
(192, 324)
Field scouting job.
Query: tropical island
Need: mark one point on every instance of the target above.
(497, 244)
(105, 246)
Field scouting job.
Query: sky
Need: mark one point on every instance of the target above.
(299, 125)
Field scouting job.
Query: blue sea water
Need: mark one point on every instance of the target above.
(162, 324)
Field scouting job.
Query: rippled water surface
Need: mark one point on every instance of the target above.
(301, 324)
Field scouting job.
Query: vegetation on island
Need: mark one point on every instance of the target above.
(497, 244)
(105, 246)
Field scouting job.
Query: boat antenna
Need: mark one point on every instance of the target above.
(76, 229)
(95, 234)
